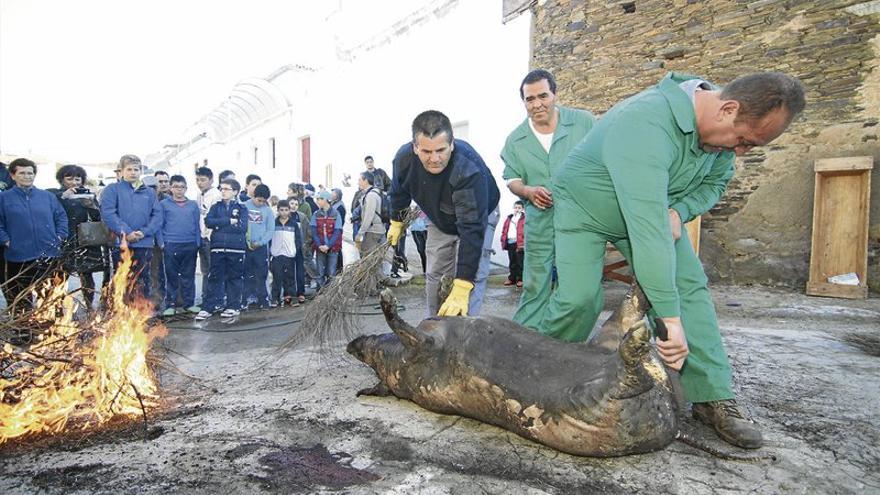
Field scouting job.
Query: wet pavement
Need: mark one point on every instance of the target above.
(253, 420)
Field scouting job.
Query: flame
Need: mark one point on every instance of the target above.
(81, 374)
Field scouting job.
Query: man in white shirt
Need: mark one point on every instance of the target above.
(206, 197)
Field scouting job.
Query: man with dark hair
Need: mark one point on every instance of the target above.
(382, 181)
(157, 268)
(653, 162)
(131, 210)
(372, 230)
(454, 187)
(181, 234)
(206, 196)
(163, 184)
(33, 226)
(261, 228)
(251, 182)
(533, 152)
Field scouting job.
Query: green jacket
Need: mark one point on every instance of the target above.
(524, 157)
(642, 158)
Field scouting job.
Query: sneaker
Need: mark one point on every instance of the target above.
(203, 315)
(519, 284)
(508, 283)
(273, 304)
(168, 312)
(230, 313)
(193, 309)
(301, 299)
(729, 423)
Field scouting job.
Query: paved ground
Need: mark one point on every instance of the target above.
(253, 420)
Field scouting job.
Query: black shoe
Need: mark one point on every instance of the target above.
(729, 423)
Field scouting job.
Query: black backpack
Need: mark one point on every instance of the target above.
(385, 204)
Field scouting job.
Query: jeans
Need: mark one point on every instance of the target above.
(180, 274)
(326, 266)
(225, 281)
(283, 277)
(256, 265)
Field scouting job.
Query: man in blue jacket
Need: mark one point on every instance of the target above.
(33, 226)
(454, 187)
(131, 210)
(260, 229)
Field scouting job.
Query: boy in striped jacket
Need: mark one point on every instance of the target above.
(286, 243)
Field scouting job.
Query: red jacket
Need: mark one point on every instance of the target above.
(520, 232)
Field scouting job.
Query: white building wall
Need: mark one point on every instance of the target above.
(458, 59)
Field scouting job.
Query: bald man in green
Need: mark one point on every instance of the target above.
(532, 154)
(653, 162)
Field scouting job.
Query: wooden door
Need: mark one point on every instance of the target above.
(306, 159)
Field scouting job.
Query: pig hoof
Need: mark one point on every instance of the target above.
(377, 390)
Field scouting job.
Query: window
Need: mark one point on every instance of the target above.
(272, 150)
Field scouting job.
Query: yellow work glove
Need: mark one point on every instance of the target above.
(457, 301)
(394, 232)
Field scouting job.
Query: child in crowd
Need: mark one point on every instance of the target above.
(228, 220)
(261, 227)
(286, 243)
(181, 234)
(513, 241)
(326, 237)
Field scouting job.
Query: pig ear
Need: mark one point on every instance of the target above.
(635, 345)
(624, 318)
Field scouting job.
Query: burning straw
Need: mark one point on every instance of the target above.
(79, 374)
(329, 317)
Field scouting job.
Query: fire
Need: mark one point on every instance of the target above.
(81, 374)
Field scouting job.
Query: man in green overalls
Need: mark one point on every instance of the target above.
(655, 161)
(532, 154)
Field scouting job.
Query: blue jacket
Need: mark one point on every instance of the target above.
(224, 235)
(125, 209)
(33, 222)
(180, 224)
(261, 223)
(457, 201)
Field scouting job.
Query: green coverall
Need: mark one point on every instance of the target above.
(525, 158)
(642, 158)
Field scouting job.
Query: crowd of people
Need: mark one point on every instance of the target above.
(237, 236)
(653, 162)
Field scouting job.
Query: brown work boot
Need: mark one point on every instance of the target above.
(729, 423)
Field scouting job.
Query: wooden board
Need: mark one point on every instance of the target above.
(840, 226)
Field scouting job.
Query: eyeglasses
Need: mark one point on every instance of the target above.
(178, 186)
(226, 189)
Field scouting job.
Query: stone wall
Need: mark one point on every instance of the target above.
(603, 51)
